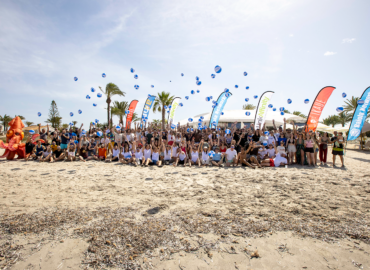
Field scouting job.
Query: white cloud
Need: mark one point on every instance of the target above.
(291, 35)
(329, 53)
(348, 40)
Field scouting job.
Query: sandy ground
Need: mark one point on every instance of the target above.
(332, 201)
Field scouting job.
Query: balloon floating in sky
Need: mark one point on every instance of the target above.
(187, 97)
(236, 86)
(152, 86)
(344, 95)
(218, 69)
(202, 117)
(136, 76)
(270, 106)
(289, 101)
(103, 75)
(200, 120)
(274, 109)
(245, 73)
(247, 87)
(213, 76)
(360, 102)
(99, 95)
(181, 104)
(94, 104)
(266, 133)
(282, 113)
(165, 107)
(306, 101)
(340, 109)
(92, 89)
(71, 114)
(247, 113)
(192, 92)
(182, 74)
(118, 127)
(214, 102)
(99, 133)
(227, 95)
(281, 109)
(255, 96)
(127, 111)
(247, 99)
(198, 91)
(196, 78)
(132, 70)
(198, 82)
(88, 97)
(213, 106)
(226, 90)
(208, 98)
(75, 78)
(96, 120)
(190, 119)
(149, 95)
(79, 111)
(136, 86)
(39, 114)
(169, 107)
(222, 113)
(31, 132)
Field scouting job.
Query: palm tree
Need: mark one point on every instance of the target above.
(298, 113)
(5, 120)
(119, 109)
(21, 117)
(135, 117)
(248, 107)
(64, 126)
(28, 123)
(111, 90)
(343, 118)
(163, 99)
(74, 123)
(55, 121)
(351, 105)
(156, 121)
(331, 120)
(286, 111)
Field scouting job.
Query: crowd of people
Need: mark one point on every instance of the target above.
(187, 147)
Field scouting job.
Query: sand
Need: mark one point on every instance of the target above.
(311, 218)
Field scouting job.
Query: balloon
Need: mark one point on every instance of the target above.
(190, 120)
(247, 87)
(282, 113)
(88, 97)
(198, 82)
(227, 131)
(247, 99)
(200, 120)
(127, 111)
(289, 101)
(236, 86)
(213, 76)
(93, 123)
(270, 106)
(182, 74)
(71, 124)
(267, 133)
(281, 109)
(94, 104)
(211, 97)
(132, 70)
(208, 98)
(213, 106)
(192, 130)
(344, 95)
(214, 102)
(107, 131)
(103, 75)
(198, 91)
(149, 95)
(245, 73)
(169, 107)
(83, 132)
(31, 132)
(274, 109)
(99, 95)
(187, 97)
(136, 86)
(265, 143)
(152, 86)
(227, 95)
(218, 69)
(75, 78)
(188, 129)
(306, 101)
(340, 109)
(96, 120)
(136, 76)
(222, 113)
(181, 104)
(360, 102)
(118, 127)
(196, 78)
(247, 113)
(255, 96)
(99, 133)
(202, 117)
(211, 153)
(39, 114)
(226, 90)
(165, 107)
(192, 92)
(92, 89)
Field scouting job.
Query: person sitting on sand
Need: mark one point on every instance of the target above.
(114, 156)
(83, 153)
(58, 154)
(244, 157)
(126, 155)
(37, 151)
(167, 154)
(217, 158)
(154, 158)
(231, 156)
(181, 157)
(29, 148)
(71, 151)
(138, 150)
(194, 156)
(102, 152)
(205, 151)
(47, 155)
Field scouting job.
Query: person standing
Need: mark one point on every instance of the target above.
(338, 147)
(323, 148)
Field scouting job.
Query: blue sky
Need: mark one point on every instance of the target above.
(294, 48)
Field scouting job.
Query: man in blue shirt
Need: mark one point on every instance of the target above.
(217, 158)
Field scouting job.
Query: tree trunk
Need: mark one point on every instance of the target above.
(163, 114)
(108, 111)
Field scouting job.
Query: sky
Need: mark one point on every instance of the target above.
(294, 48)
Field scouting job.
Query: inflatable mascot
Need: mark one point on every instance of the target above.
(14, 136)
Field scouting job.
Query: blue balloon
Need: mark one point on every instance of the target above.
(88, 97)
(196, 78)
(360, 102)
(211, 97)
(281, 109)
(132, 70)
(118, 127)
(218, 69)
(214, 102)
(227, 95)
(103, 75)
(236, 86)
(182, 74)
(79, 111)
(198, 91)
(136, 76)
(267, 133)
(270, 106)
(75, 78)
(169, 107)
(181, 104)
(99, 133)
(188, 130)
(187, 97)
(306, 101)
(31, 132)
(226, 90)
(247, 113)
(245, 73)
(39, 114)
(282, 113)
(213, 76)
(152, 86)
(208, 98)
(222, 113)
(200, 120)
(344, 95)
(192, 92)
(264, 143)
(165, 107)
(168, 111)
(255, 97)
(149, 95)
(247, 87)
(99, 95)
(96, 120)
(127, 112)
(94, 104)
(192, 130)
(92, 89)
(227, 131)
(198, 82)
(93, 123)
(247, 99)
(136, 86)
(211, 153)
(202, 117)
(190, 119)
(340, 109)
(289, 101)
(274, 109)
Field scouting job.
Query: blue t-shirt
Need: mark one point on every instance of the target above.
(281, 139)
(216, 157)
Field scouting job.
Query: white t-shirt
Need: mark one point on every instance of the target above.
(281, 149)
(105, 141)
(271, 152)
(205, 156)
(262, 152)
(272, 140)
(230, 154)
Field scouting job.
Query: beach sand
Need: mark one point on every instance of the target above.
(79, 215)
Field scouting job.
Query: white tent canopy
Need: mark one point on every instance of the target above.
(339, 128)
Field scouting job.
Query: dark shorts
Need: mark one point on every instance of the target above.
(308, 150)
(337, 153)
(244, 165)
(39, 154)
(154, 162)
(182, 162)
